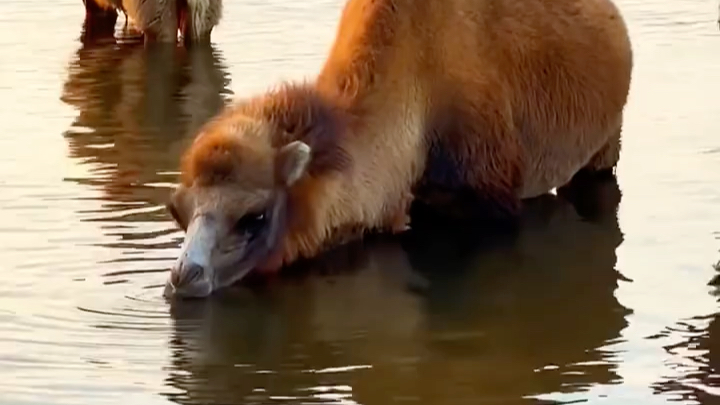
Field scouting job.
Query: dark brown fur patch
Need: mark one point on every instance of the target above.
(301, 112)
(294, 112)
(474, 162)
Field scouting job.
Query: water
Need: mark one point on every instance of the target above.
(619, 309)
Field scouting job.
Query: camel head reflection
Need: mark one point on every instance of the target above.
(432, 315)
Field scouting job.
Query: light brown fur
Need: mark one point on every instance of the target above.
(493, 100)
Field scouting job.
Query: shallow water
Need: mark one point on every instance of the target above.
(612, 307)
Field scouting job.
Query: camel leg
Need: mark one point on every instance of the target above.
(597, 176)
(99, 22)
(601, 165)
(607, 157)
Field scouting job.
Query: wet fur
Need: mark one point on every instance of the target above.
(160, 20)
(469, 105)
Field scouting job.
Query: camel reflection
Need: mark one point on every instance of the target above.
(431, 317)
(137, 109)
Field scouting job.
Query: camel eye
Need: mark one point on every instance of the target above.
(251, 224)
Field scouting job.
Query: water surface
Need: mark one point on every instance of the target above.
(609, 299)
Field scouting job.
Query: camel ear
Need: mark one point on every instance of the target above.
(178, 208)
(291, 163)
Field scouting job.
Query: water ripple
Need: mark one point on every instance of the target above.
(616, 309)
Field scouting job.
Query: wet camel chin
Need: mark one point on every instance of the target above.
(209, 261)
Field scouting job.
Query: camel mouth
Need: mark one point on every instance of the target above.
(227, 270)
(195, 290)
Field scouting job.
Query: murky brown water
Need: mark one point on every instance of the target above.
(618, 308)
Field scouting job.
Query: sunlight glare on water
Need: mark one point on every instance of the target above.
(619, 309)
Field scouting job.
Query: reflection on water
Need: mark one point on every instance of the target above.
(695, 361)
(482, 325)
(595, 300)
(132, 103)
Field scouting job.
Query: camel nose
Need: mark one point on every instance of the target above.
(186, 274)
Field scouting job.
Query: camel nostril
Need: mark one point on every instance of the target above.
(186, 274)
(192, 273)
